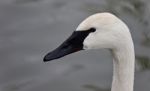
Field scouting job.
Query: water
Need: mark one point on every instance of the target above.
(31, 28)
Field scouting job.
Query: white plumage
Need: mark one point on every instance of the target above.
(113, 34)
(104, 30)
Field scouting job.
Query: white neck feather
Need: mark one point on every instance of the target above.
(113, 33)
(123, 72)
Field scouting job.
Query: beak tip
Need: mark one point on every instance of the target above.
(45, 59)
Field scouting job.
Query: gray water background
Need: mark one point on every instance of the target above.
(31, 28)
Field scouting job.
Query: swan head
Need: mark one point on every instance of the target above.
(102, 30)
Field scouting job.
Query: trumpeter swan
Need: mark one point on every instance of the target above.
(104, 30)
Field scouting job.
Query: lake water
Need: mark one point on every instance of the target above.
(31, 28)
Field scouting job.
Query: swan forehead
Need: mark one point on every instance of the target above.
(97, 20)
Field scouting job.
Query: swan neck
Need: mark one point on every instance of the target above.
(123, 68)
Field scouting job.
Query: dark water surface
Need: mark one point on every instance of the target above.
(31, 28)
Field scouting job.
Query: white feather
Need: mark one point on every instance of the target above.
(112, 33)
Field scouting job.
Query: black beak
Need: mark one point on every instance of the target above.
(73, 44)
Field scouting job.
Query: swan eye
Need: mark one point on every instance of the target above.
(92, 29)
